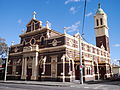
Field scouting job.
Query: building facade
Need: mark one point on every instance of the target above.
(116, 69)
(44, 54)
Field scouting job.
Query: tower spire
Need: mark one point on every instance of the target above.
(99, 6)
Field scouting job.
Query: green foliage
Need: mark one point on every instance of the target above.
(3, 47)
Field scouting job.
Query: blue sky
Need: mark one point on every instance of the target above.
(15, 14)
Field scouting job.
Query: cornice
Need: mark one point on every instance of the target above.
(16, 45)
(33, 32)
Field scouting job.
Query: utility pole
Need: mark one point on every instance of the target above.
(80, 55)
(6, 64)
(80, 48)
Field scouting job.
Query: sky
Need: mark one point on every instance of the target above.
(15, 15)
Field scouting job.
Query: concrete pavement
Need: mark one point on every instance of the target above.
(44, 83)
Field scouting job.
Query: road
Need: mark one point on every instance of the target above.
(100, 86)
(4, 86)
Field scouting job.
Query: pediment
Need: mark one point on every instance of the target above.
(33, 21)
(33, 25)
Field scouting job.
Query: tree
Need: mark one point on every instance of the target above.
(3, 48)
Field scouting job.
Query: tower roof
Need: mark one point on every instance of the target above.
(100, 10)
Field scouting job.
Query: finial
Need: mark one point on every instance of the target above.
(34, 13)
(99, 6)
(47, 24)
(65, 28)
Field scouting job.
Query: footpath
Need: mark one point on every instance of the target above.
(59, 84)
(44, 83)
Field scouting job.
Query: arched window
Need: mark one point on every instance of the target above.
(42, 40)
(97, 22)
(23, 43)
(101, 21)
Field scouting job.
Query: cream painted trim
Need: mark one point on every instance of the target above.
(74, 38)
(52, 48)
(88, 76)
(54, 37)
(96, 55)
(57, 63)
(56, 77)
(32, 32)
(94, 46)
(42, 37)
(31, 40)
(12, 54)
(77, 49)
(97, 27)
(16, 45)
(55, 31)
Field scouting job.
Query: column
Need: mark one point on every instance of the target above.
(43, 60)
(98, 70)
(24, 68)
(63, 73)
(22, 76)
(35, 67)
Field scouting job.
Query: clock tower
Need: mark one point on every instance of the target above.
(101, 29)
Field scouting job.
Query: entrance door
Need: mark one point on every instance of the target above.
(77, 73)
(53, 69)
(29, 73)
(102, 72)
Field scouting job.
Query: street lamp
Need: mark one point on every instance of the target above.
(6, 64)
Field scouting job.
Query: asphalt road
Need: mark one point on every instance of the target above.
(4, 86)
(100, 86)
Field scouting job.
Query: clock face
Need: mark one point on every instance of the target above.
(54, 42)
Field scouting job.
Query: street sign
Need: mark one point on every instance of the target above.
(81, 67)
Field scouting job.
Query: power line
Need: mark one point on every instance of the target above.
(84, 17)
(83, 24)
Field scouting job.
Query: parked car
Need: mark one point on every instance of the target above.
(115, 77)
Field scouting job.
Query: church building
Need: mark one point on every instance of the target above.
(45, 54)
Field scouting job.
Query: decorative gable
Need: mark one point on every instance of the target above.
(33, 25)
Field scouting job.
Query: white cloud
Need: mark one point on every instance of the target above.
(73, 10)
(89, 14)
(73, 27)
(19, 21)
(69, 1)
(116, 45)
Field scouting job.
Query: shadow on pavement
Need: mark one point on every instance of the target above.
(107, 82)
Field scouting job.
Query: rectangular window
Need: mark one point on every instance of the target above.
(71, 65)
(97, 22)
(101, 21)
